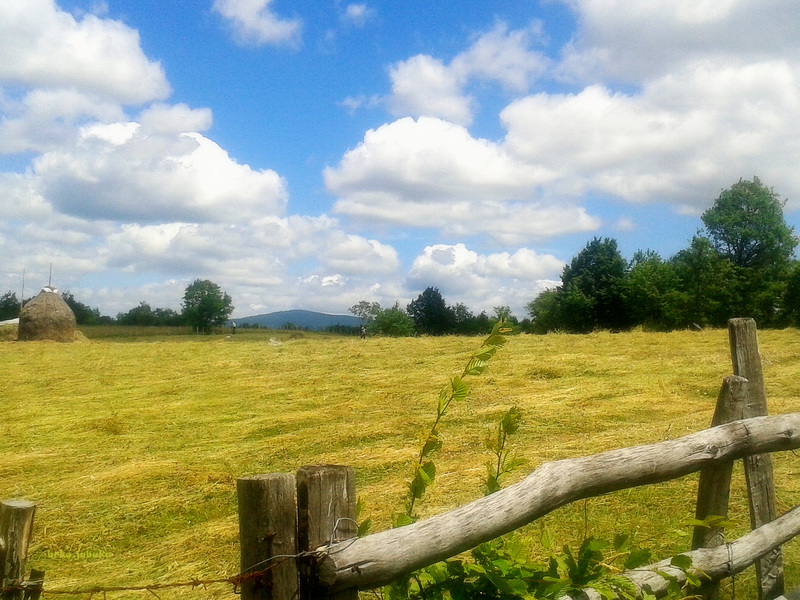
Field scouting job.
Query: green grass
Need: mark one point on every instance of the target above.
(131, 446)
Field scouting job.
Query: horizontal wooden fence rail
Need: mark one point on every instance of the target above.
(711, 564)
(378, 559)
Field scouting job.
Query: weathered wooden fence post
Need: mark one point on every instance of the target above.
(757, 468)
(326, 508)
(713, 490)
(16, 528)
(714, 487)
(268, 536)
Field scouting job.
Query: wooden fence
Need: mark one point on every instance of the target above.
(298, 531)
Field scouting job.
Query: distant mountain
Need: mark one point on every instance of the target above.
(304, 319)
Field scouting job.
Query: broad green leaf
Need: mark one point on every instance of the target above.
(475, 366)
(638, 557)
(460, 389)
(428, 469)
(681, 561)
(401, 520)
(364, 527)
(511, 420)
(432, 444)
(620, 541)
(546, 538)
(486, 353)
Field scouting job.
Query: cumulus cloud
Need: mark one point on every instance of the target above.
(484, 281)
(674, 141)
(426, 86)
(120, 172)
(255, 23)
(45, 46)
(432, 173)
(177, 118)
(633, 42)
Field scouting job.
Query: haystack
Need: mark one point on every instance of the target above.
(47, 317)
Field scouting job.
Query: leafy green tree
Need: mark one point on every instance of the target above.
(593, 285)
(84, 315)
(431, 314)
(205, 304)
(545, 311)
(746, 226)
(650, 281)
(392, 322)
(365, 310)
(9, 306)
(706, 287)
(791, 296)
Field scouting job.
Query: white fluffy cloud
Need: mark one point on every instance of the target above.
(255, 23)
(674, 141)
(426, 86)
(121, 171)
(431, 173)
(485, 281)
(650, 38)
(45, 46)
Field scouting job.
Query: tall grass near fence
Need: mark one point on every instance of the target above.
(131, 450)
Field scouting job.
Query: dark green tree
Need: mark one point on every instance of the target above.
(84, 315)
(650, 281)
(706, 288)
(431, 314)
(545, 311)
(139, 316)
(392, 322)
(746, 226)
(594, 288)
(205, 304)
(791, 297)
(9, 306)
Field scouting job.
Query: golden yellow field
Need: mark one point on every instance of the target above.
(131, 447)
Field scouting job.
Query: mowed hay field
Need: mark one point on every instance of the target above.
(131, 447)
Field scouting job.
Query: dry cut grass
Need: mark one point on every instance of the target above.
(131, 448)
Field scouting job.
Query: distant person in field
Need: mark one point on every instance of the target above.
(233, 325)
(363, 332)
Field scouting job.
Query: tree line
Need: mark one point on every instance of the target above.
(740, 264)
(205, 305)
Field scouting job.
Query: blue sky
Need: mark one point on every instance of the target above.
(314, 154)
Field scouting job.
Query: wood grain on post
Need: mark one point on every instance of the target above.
(758, 472)
(268, 536)
(326, 509)
(16, 528)
(714, 487)
(713, 490)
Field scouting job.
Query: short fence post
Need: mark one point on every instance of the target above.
(16, 528)
(757, 468)
(326, 508)
(268, 536)
(714, 487)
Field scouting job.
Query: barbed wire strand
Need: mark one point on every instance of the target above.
(234, 580)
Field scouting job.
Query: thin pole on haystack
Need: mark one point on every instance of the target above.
(50, 278)
(22, 295)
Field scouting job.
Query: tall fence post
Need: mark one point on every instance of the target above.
(16, 528)
(326, 508)
(268, 536)
(757, 468)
